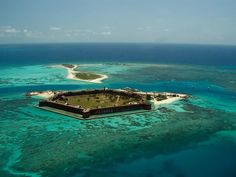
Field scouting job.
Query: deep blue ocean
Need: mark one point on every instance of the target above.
(187, 138)
(29, 54)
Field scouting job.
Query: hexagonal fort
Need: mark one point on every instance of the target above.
(95, 102)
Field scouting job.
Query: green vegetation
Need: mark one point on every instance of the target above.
(68, 65)
(100, 100)
(87, 76)
(160, 97)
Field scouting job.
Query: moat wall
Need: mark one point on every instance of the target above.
(61, 107)
(88, 113)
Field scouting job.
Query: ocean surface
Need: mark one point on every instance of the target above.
(187, 138)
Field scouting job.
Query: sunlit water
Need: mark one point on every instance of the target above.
(194, 137)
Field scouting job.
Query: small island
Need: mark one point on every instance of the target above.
(88, 104)
(82, 76)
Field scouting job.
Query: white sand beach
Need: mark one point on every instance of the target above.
(42, 94)
(167, 101)
(170, 98)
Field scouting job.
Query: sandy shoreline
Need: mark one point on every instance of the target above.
(72, 75)
(42, 94)
(170, 98)
(167, 101)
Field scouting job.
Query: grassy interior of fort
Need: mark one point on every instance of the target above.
(99, 100)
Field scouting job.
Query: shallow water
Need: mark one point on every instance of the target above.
(174, 140)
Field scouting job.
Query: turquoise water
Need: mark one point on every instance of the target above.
(177, 139)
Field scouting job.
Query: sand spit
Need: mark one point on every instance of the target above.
(72, 74)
